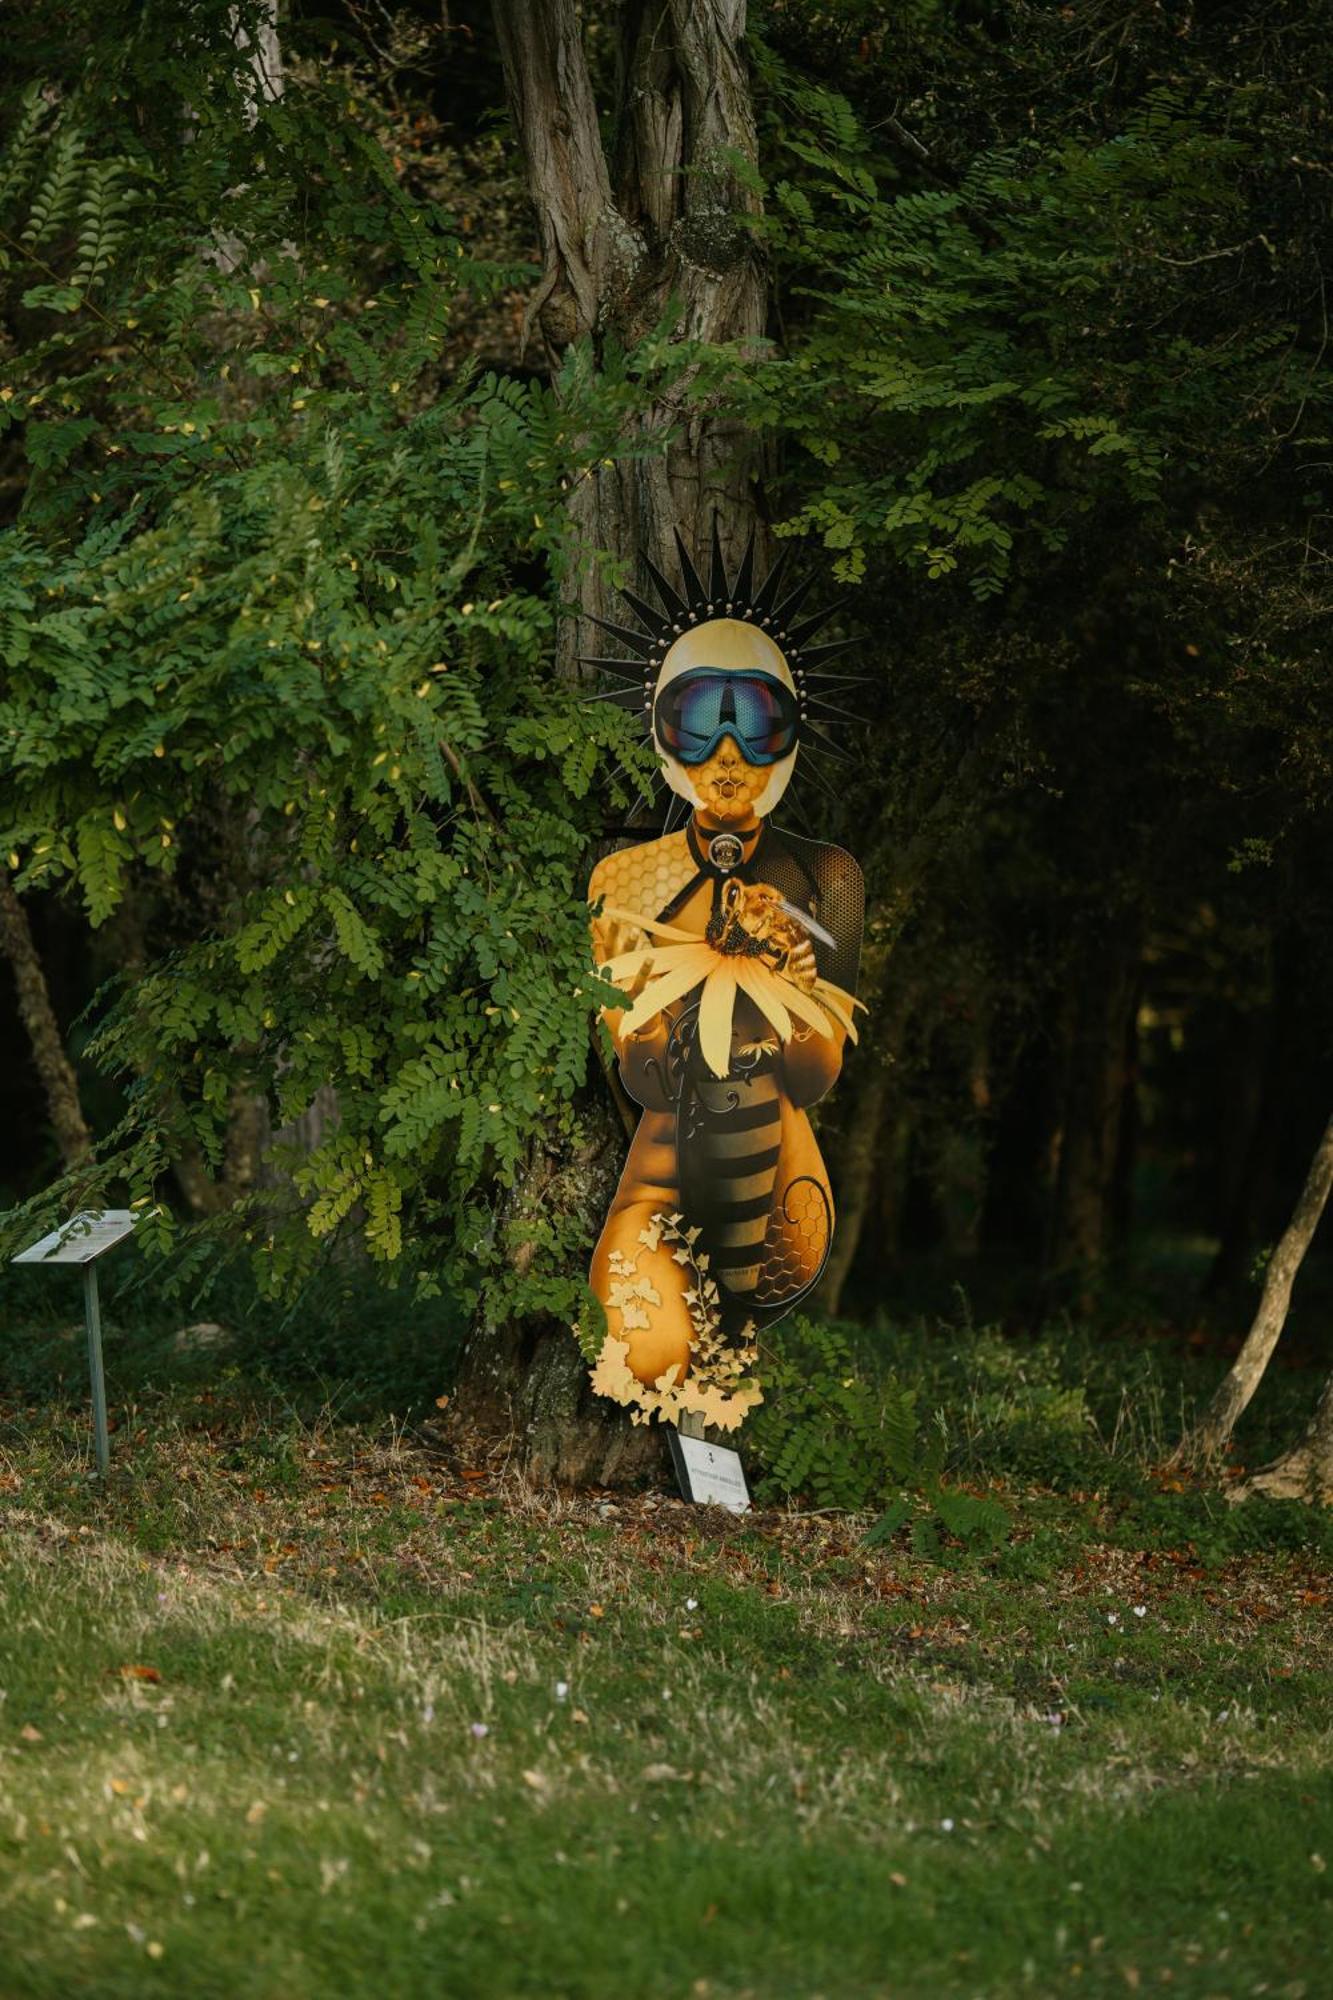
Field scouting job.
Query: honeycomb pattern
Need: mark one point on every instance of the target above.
(799, 1230)
(642, 878)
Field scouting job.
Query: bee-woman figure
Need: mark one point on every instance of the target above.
(735, 947)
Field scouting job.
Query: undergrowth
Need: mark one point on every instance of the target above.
(943, 1433)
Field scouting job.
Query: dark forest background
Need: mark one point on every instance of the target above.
(1043, 390)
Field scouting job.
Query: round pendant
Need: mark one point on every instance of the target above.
(725, 852)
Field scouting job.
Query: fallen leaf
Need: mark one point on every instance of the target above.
(256, 1813)
(441, 1402)
(29, 1734)
(596, 1611)
(139, 1674)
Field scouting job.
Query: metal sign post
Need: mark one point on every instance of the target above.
(80, 1241)
(92, 1314)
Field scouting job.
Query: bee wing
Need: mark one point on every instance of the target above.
(807, 922)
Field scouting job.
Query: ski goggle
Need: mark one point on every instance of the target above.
(695, 711)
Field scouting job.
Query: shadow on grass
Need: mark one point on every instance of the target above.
(346, 1343)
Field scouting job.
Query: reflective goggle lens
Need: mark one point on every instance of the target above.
(694, 713)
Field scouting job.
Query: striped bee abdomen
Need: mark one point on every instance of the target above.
(730, 1139)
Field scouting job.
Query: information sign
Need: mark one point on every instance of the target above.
(79, 1241)
(710, 1474)
(82, 1238)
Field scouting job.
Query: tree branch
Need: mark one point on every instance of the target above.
(1233, 1393)
(583, 236)
(48, 1045)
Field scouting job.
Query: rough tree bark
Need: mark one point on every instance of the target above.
(73, 1139)
(1232, 1396)
(659, 218)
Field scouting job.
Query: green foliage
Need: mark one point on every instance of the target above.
(835, 1434)
(279, 584)
(829, 1432)
(1006, 355)
(278, 630)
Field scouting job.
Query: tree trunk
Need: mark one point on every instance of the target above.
(857, 1157)
(1096, 1080)
(959, 1153)
(1303, 1473)
(1120, 1194)
(858, 1150)
(662, 222)
(73, 1139)
(1251, 1130)
(1233, 1394)
(865, 1146)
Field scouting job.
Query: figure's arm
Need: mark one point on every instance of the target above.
(642, 1055)
(810, 1064)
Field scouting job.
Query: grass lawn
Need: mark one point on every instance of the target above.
(296, 1707)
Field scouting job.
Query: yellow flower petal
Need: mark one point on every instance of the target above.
(766, 992)
(806, 1009)
(715, 1012)
(667, 931)
(671, 986)
(839, 1004)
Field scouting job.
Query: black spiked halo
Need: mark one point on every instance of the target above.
(768, 606)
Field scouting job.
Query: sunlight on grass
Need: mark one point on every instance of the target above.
(296, 1710)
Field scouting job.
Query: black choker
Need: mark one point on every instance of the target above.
(722, 853)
